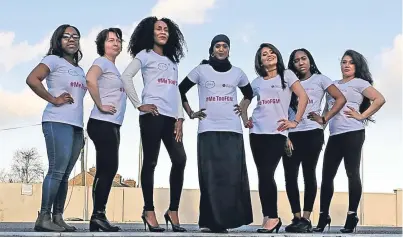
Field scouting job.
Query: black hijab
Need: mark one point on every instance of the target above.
(218, 65)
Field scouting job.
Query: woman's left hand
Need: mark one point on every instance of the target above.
(178, 130)
(353, 114)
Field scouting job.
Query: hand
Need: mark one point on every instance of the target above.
(248, 123)
(286, 124)
(353, 114)
(199, 114)
(150, 108)
(178, 130)
(237, 109)
(108, 109)
(63, 99)
(289, 147)
(315, 117)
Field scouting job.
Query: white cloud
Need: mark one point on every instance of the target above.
(15, 53)
(388, 79)
(183, 11)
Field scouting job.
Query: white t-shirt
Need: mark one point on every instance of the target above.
(315, 87)
(352, 91)
(218, 95)
(272, 103)
(160, 77)
(111, 92)
(65, 77)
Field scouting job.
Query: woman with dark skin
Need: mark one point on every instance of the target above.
(62, 121)
(347, 135)
(157, 47)
(223, 178)
(307, 138)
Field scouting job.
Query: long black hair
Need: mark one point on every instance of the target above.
(259, 68)
(56, 43)
(313, 69)
(143, 38)
(362, 72)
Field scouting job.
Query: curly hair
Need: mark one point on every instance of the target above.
(143, 38)
(56, 48)
(362, 72)
(103, 35)
(312, 68)
(260, 70)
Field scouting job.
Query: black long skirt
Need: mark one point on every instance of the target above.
(225, 200)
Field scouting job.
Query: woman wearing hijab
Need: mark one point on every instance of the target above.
(223, 178)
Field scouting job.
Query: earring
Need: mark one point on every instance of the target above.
(212, 54)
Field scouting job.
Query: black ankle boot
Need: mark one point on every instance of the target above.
(58, 220)
(293, 225)
(324, 220)
(44, 223)
(100, 222)
(351, 223)
(304, 226)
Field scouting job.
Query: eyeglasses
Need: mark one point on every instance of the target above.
(67, 37)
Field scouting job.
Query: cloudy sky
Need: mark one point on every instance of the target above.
(326, 28)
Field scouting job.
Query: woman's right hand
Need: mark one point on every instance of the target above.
(150, 108)
(199, 114)
(63, 99)
(108, 109)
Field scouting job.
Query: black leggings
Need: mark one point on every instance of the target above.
(348, 146)
(307, 146)
(153, 129)
(267, 151)
(106, 138)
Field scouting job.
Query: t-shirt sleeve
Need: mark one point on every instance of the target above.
(194, 75)
(254, 87)
(143, 57)
(100, 62)
(289, 77)
(243, 80)
(50, 61)
(362, 85)
(325, 82)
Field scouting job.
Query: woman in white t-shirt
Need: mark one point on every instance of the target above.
(269, 124)
(157, 47)
(62, 121)
(347, 135)
(223, 177)
(106, 90)
(307, 138)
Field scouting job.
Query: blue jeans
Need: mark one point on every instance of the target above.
(63, 143)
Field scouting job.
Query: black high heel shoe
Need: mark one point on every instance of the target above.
(150, 227)
(351, 223)
(175, 228)
(324, 220)
(277, 227)
(100, 222)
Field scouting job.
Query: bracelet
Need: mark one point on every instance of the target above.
(296, 122)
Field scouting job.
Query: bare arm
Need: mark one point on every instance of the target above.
(92, 83)
(340, 100)
(34, 81)
(302, 99)
(377, 101)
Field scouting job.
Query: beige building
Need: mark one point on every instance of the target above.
(118, 181)
(20, 203)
